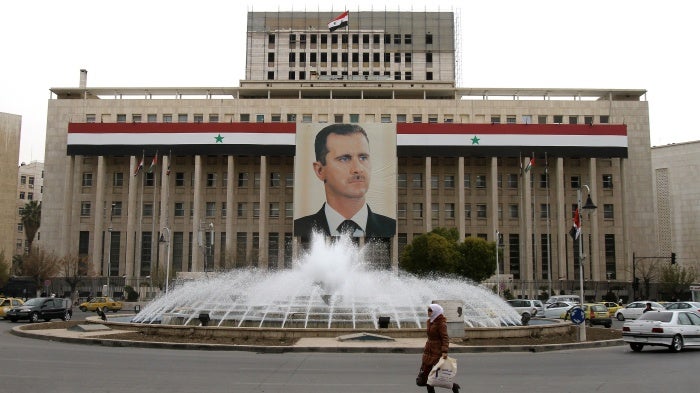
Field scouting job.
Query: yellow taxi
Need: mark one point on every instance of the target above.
(7, 303)
(612, 307)
(104, 303)
(596, 314)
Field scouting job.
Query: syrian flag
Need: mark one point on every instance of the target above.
(530, 164)
(138, 167)
(575, 231)
(339, 21)
(153, 163)
(167, 171)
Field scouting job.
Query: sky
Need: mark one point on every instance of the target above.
(600, 44)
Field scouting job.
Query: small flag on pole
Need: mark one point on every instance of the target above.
(530, 164)
(154, 162)
(167, 171)
(139, 167)
(575, 231)
(339, 21)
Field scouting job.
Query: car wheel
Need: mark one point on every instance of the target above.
(83, 308)
(608, 325)
(34, 317)
(620, 317)
(676, 343)
(47, 319)
(115, 310)
(13, 319)
(636, 347)
(66, 316)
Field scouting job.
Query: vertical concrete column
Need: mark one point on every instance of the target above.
(164, 216)
(76, 186)
(427, 186)
(595, 261)
(262, 221)
(99, 246)
(493, 199)
(526, 264)
(197, 252)
(563, 221)
(230, 211)
(624, 260)
(461, 225)
(132, 211)
(68, 212)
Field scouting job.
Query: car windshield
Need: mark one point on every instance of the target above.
(34, 302)
(657, 316)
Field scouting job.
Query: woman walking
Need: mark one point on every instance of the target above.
(437, 345)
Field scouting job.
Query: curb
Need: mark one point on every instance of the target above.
(17, 331)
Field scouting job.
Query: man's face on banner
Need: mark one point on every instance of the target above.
(348, 169)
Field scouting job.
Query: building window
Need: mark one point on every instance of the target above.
(435, 208)
(513, 211)
(608, 211)
(401, 180)
(573, 119)
(243, 179)
(514, 255)
(147, 209)
(480, 181)
(179, 209)
(210, 209)
(386, 118)
(401, 210)
(241, 209)
(417, 210)
(543, 180)
(87, 179)
(291, 118)
(467, 180)
(223, 209)
(608, 181)
(274, 209)
(467, 210)
(434, 182)
(259, 118)
(118, 179)
(116, 209)
(23, 179)
(30, 196)
(179, 179)
(544, 210)
(558, 119)
(288, 210)
(149, 179)
(480, 211)
(167, 118)
(289, 180)
(182, 117)
(354, 118)
(121, 118)
(512, 180)
(449, 210)
(213, 118)
(275, 179)
(610, 266)
(151, 118)
(90, 118)
(85, 209)
(575, 182)
(256, 209)
(588, 120)
(495, 119)
(21, 195)
(604, 119)
(417, 180)
(542, 119)
(449, 181)
(211, 179)
(428, 39)
(20, 227)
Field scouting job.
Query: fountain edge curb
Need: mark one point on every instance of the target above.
(17, 331)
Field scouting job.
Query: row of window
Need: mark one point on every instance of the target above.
(344, 38)
(323, 58)
(24, 179)
(416, 179)
(28, 195)
(353, 118)
(397, 75)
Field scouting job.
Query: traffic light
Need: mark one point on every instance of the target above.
(673, 258)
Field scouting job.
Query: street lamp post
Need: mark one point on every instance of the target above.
(165, 240)
(498, 281)
(588, 206)
(109, 246)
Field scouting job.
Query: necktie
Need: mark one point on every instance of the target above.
(348, 226)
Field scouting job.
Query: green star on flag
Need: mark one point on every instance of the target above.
(219, 139)
(475, 140)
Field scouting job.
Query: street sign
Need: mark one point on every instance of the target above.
(577, 315)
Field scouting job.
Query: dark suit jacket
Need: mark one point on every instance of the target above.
(377, 225)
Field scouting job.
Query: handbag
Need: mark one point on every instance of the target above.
(422, 378)
(443, 373)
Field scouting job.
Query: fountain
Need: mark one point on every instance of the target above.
(331, 286)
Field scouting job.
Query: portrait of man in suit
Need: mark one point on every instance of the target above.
(343, 163)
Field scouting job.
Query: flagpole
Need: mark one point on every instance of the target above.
(549, 230)
(154, 244)
(534, 224)
(139, 236)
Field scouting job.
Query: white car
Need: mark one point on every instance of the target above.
(673, 329)
(557, 309)
(528, 308)
(635, 309)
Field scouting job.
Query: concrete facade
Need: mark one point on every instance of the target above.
(251, 214)
(10, 130)
(30, 187)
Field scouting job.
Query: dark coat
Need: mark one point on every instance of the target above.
(437, 344)
(377, 225)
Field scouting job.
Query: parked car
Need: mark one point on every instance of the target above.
(7, 303)
(46, 308)
(564, 298)
(596, 314)
(528, 308)
(672, 328)
(687, 306)
(103, 303)
(558, 309)
(635, 309)
(612, 307)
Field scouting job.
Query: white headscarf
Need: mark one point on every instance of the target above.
(437, 311)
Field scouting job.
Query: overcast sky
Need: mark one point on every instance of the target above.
(611, 44)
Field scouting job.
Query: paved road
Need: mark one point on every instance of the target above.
(28, 365)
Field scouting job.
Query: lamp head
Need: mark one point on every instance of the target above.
(589, 204)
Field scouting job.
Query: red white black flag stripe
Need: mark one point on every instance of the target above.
(339, 21)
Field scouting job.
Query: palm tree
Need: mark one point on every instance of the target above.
(31, 219)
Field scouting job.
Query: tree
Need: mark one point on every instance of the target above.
(40, 265)
(429, 253)
(4, 269)
(477, 259)
(676, 280)
(31, 219)
(74, 270)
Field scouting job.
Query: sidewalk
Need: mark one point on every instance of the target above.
(310, 344)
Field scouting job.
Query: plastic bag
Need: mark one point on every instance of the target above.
(443, 373)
